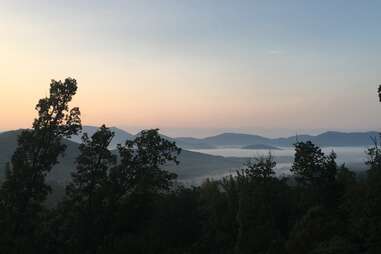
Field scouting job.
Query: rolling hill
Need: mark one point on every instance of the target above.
(325, 139)
(235, 139)
(120, 135)
(239, 140)
(192, 164)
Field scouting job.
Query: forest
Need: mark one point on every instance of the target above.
(128, 203)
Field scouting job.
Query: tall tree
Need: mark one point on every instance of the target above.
(24, 189)
(309, 163)
(140, 169)
(316, 173)
(137, 183)
(262, 208)
(218, 205)
(260, 168)
(93, 168)
(373, 207)
(86, 202)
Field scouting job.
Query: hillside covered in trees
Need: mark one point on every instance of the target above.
(127, 202)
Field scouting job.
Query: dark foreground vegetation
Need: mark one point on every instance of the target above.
(127, 203)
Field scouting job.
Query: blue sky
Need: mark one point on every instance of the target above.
(198, 67)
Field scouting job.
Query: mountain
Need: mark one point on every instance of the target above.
(331, 138)
(120, 135)
(235, 139)
(346, 139)
(239, 140)
(192, 164)
(61, 172)
(192, 143)
(8, 143)
(243, 140)
(289, 141)
(325, 139)
(261, 147)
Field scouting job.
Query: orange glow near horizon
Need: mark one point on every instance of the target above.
(143, 69)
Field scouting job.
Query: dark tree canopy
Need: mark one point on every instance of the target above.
(141, 161)
(24, 188)
(85, 208)
(93, 167)
(311, 166)
(259, 167)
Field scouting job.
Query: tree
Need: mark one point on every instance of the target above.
(316, 173)
(309, 163)
(373, 207)
(218, 205)
(87, 196)
(262, 208)
(140, 165)
(24, 189)
(259, 168)
(137, 182)
(316, 232)
(93, 168)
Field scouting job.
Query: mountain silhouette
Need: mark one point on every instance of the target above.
(330, 138)
(120, 135)
(192, 164)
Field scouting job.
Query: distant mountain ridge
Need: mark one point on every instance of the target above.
(239, 140)
(330, 138)
(235, 139)
(192, 164)
(120, 135)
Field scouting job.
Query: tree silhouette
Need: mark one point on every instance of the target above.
(259, 168)
(311, 166)
(262, 208)
(24, 188)
(140, 170)
(87, 196)
(138, 181)
(93, 166)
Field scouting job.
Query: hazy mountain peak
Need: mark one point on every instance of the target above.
(120, 135)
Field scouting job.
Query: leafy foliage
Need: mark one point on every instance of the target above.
(24, 188)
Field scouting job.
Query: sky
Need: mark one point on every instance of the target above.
(196, 67)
